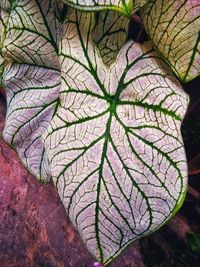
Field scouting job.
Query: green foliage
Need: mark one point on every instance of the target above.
(194, 242)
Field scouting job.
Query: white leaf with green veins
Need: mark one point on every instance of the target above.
(110, 34)
(1, 58)
(114, 145)
(33, 34)
(31, 79)
(4, 15)
(127, 7)
(174, 28)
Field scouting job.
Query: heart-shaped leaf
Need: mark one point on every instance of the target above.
(114, 145)
(31, 78)
(127, 7)
(110, 34)
(174, 28)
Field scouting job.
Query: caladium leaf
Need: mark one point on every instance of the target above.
(110, 34)
(174, 28)
(1, 29)
(31, 78)
(114, 145)
(5, 6)
(127, 7)
(1, 58)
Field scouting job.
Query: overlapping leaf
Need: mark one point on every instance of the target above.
(31, 78)
(110, 34)
(174, 28)
(1, 58)
(5, 6)
(114, 145)
(127, 7)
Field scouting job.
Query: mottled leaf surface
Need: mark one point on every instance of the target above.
(110, 34)
(114, 145)
(174, 28)
(31, 79)
(127, 7)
